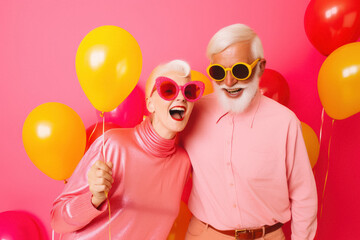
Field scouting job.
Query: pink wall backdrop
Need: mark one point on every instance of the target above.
(39, 40)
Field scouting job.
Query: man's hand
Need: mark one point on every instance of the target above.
(100, 181)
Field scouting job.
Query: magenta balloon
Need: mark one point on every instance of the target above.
(130, 112)
(18, 225)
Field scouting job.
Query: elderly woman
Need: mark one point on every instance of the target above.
(144, 172)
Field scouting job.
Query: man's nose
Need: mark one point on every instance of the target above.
(229, 79)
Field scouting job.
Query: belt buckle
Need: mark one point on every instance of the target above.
(249, 231)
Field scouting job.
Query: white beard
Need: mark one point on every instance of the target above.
(240, 104)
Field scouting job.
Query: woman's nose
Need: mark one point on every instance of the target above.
(180, 97)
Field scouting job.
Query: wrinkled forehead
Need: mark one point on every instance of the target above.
(178, 77)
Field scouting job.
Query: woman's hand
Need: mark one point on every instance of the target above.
(100, 181)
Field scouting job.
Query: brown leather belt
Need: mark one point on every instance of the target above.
(249, 233)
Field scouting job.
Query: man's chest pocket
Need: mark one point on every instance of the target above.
(258, 164)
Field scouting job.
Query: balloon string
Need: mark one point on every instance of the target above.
(103, 135)
(103, 152)
(327, 170)
(322, 123)
(320, 134)
(109, 217)
(92, 131)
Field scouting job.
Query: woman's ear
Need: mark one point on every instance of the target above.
(150, 105)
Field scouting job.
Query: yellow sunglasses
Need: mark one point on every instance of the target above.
(240, 71)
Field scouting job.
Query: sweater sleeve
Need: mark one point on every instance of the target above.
(73, 209)
(302, 188)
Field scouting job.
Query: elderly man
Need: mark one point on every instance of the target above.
(251, 172)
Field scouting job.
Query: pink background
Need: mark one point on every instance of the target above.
(39, 40)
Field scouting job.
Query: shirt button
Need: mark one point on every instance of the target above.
(231, 184)
(228, 163)
(234, 206)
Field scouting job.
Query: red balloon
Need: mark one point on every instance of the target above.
(19, 225)
(330, 24)
(130, 112)
(273, 85)
(95, 131)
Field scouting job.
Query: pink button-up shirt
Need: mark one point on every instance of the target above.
(250, 169)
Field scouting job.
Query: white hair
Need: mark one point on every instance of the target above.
(179, 66)
(233, 34)
(223, 39)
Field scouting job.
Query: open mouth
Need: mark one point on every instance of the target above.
(177, 113)
(233, 92)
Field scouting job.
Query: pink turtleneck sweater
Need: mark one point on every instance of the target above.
(149, 175)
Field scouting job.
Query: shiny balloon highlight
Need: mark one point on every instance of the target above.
(108, 66)
(339, 82)
(54, 138)
(329, 24)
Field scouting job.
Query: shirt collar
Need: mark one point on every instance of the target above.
(248, 116)
(152, 142)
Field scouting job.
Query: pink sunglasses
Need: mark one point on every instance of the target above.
(169, 90)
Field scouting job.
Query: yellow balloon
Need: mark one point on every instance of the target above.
(54, 138)
(198, 76)
(179, 228)
(311, 142)
(339, 82)
(108, 66)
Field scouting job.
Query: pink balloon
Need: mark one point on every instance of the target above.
(129, 113)
(18, 225)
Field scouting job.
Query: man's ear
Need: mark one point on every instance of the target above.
(150, 105)
(262, 65)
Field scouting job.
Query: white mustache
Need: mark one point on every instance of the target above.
(239, 104)
(237, 85)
